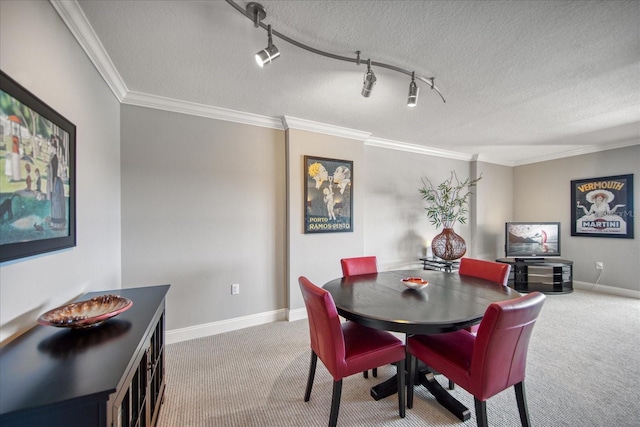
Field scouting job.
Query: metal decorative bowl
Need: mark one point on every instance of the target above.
(414, 282)
(86, 314)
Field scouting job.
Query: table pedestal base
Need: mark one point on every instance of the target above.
(428, 380)
(385, 389)
(443, 397)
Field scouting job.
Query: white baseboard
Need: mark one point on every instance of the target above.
(604, 289)
(214, 328)
(297, 314)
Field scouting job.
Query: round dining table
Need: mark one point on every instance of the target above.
(448, 302)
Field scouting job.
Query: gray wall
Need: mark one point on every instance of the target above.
(38, 51)
(202, 208)
(542, 193)
(397, 228)
(493, 201)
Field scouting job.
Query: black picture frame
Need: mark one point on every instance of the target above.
(328, 195)
(602, 207)
(37, 175)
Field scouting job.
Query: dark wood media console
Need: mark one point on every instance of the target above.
(546, 275)
(108, 376)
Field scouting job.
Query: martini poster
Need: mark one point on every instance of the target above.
(602, 207)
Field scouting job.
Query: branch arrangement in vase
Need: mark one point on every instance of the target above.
(448, 201)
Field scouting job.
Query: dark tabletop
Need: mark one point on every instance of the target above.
(448, 303)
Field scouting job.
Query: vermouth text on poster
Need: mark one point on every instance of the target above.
(601, 185)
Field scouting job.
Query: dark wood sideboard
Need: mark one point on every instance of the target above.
(112, 375)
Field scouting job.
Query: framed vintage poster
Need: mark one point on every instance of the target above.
(37, 175)
(602, 207)
(328, 193)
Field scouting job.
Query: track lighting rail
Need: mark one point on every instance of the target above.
(256, 12)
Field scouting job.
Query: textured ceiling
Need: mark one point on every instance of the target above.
(523, 80)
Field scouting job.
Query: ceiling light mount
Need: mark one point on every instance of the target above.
(257, 13)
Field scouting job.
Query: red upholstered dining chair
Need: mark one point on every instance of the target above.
(359, 265)
(355, 267)
(496, 272)
(346, 348)
(487, 363)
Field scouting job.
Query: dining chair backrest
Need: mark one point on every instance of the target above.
(355, 267)
(326, 336)
(359, 265)
(499, 354)
(496, 272)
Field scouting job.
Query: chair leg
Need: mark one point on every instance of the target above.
(374, 371)
(413, 362)
(401, 376)
(335, 403)
(481, 412)
(521, 398)
(312, 374)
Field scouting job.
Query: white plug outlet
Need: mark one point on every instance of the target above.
(599, 265)
(235, 289)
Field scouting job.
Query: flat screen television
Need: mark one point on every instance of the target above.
(532, 239)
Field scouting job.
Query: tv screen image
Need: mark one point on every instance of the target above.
(532, 239)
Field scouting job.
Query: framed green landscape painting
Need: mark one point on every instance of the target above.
(37, 175)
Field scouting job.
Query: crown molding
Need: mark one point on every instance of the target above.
(184, 107)
(308, 125)
(597, 148)
(77, 22)
(485, 159)
(419, 149)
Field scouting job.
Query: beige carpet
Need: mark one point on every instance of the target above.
(583, 370)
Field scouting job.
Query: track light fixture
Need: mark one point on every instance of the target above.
(369, 81)
(412, 101)
(269, 53)
(256, 12)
